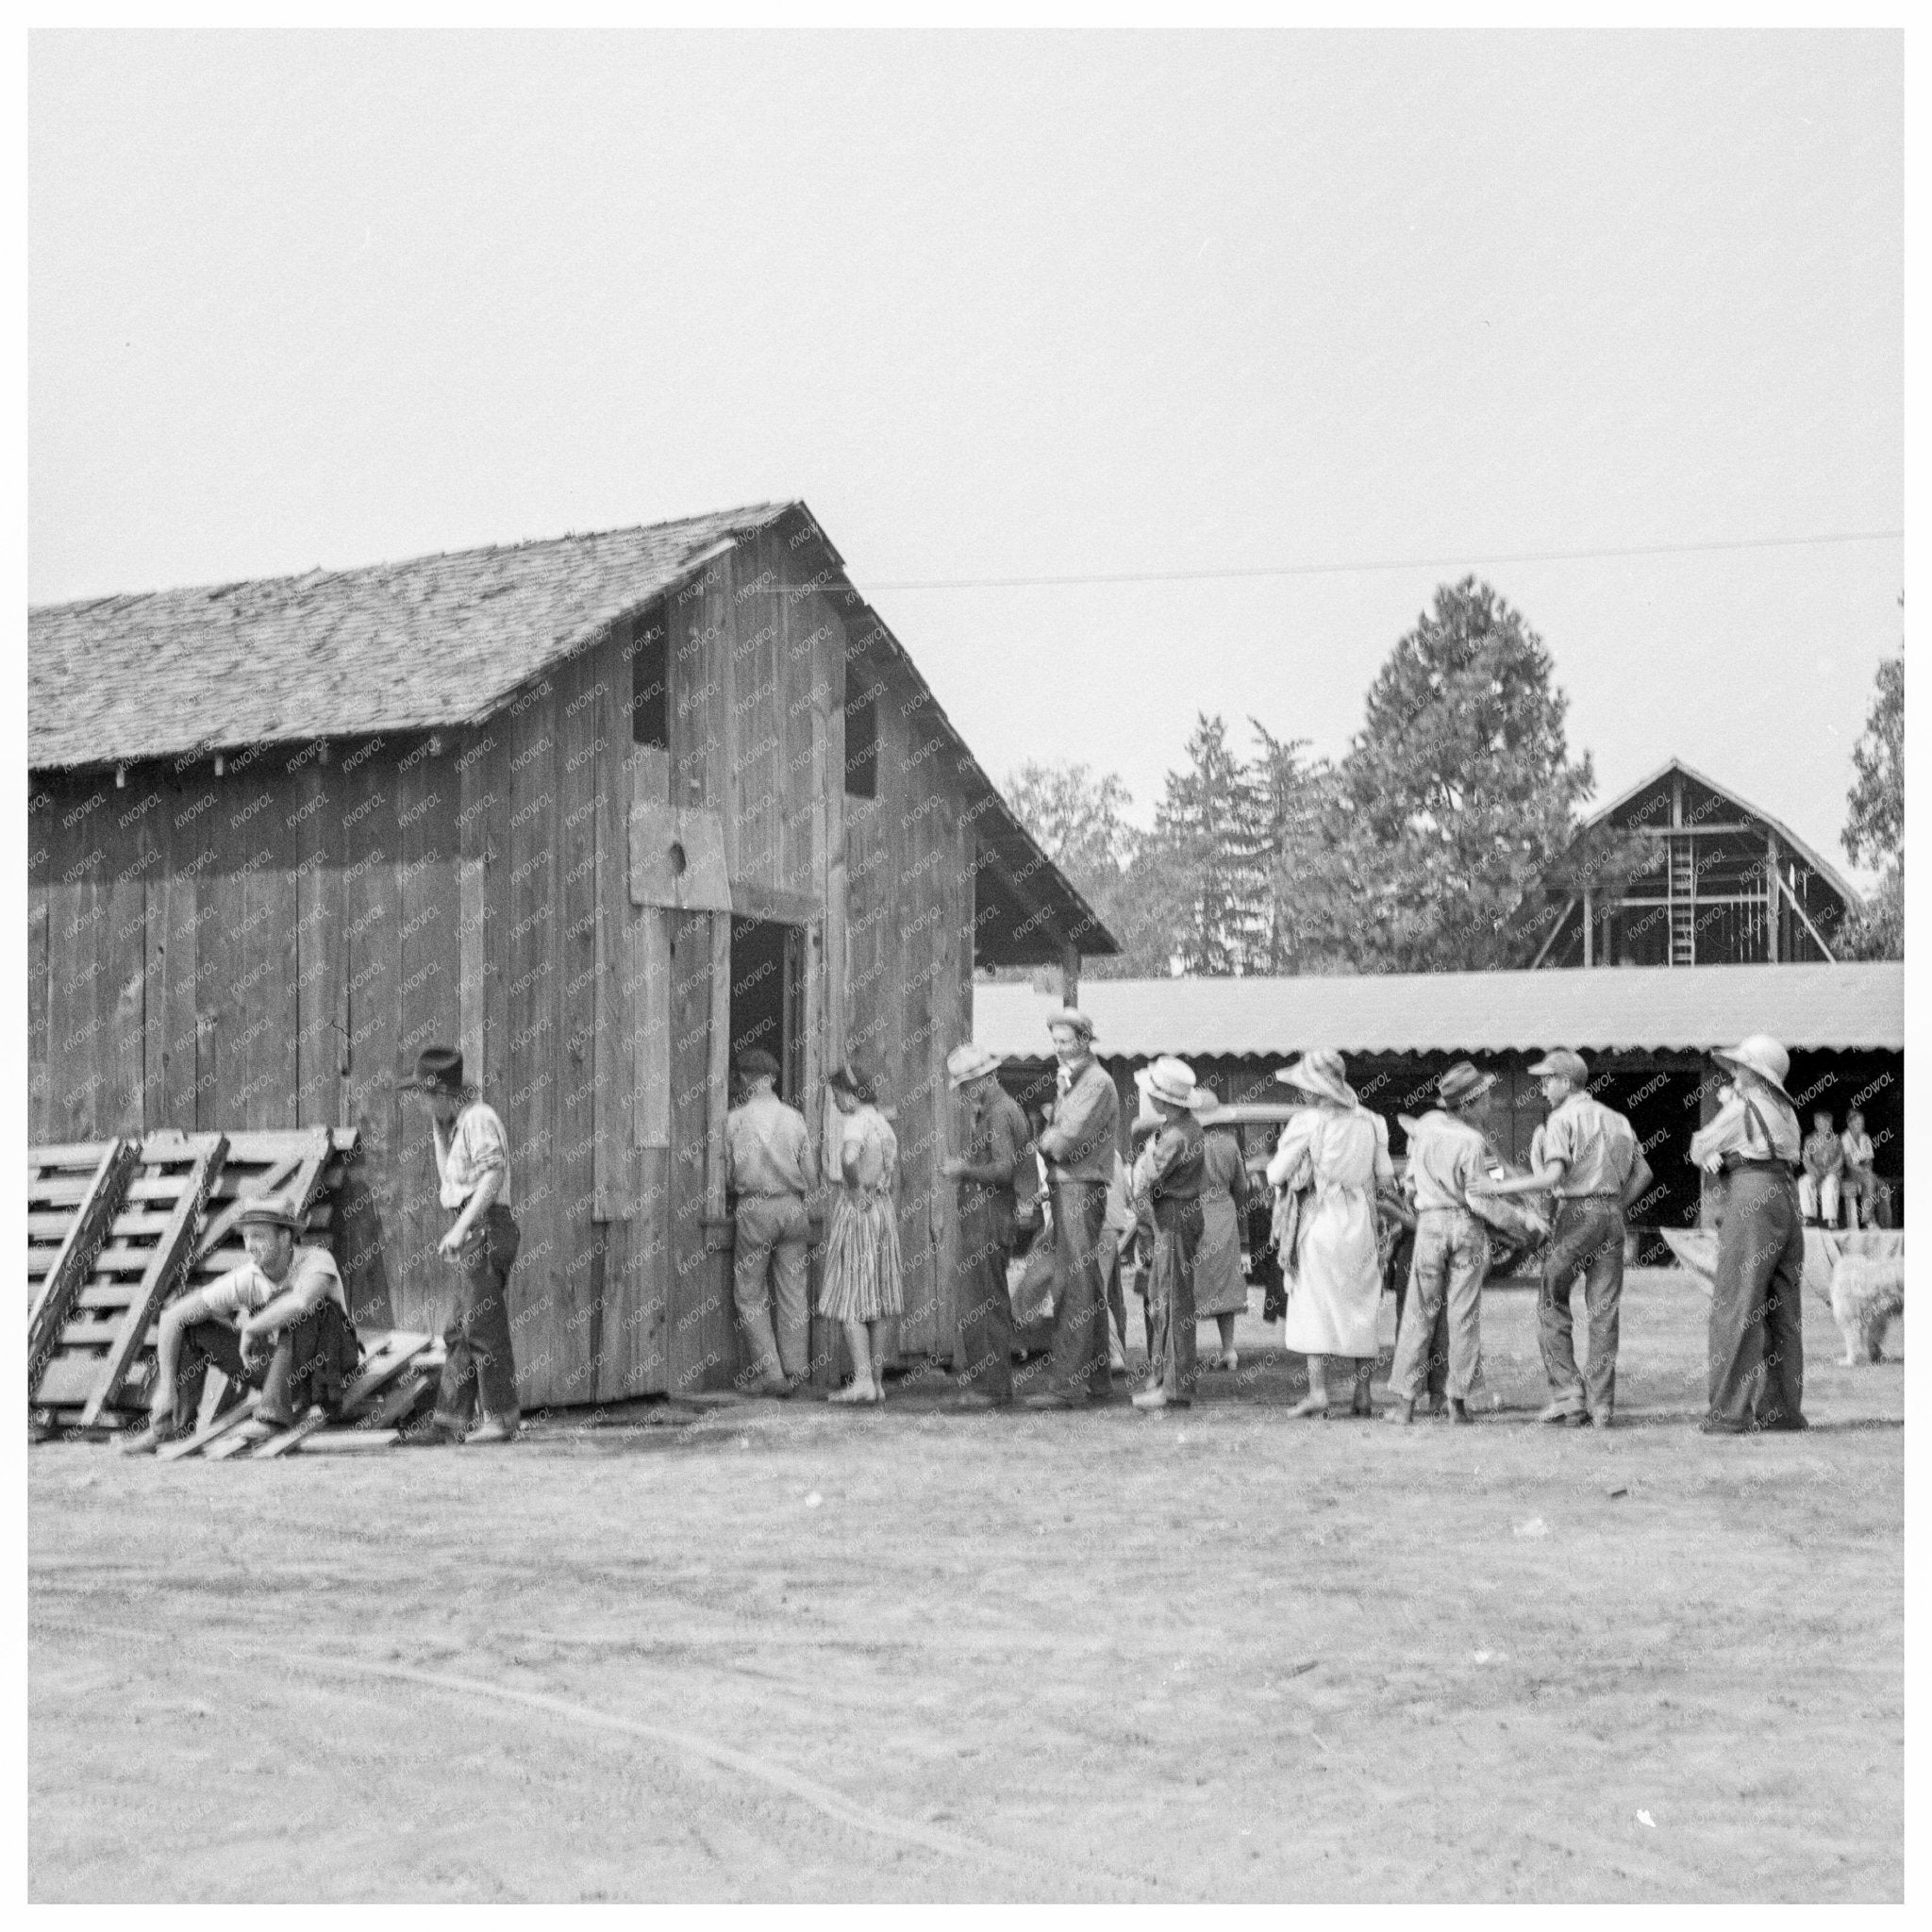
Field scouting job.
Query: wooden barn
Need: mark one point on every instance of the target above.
(599, 811)
(1709, 881)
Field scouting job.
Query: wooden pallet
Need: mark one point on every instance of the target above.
(142, 1261)
(73, 1195)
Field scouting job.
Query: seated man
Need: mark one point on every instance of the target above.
(279, 1323)
(1858, 1185)
(1824, 1157)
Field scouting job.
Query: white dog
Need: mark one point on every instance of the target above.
(1865, 1294)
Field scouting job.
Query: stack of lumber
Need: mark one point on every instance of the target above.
(117, 1228)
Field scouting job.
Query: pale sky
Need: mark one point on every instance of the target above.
(1018, 306)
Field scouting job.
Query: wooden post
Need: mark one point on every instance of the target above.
(1588, 928)
(1773, 896)
(1070, 972)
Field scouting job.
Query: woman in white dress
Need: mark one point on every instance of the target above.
(1337, 1151)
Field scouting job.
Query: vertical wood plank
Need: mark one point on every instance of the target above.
(690, 1317)
(718, 1068)
(321, 952)
(37, 1013)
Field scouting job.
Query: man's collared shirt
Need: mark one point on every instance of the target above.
(236, 1295)
(1597, 1145)
(1445, 1156)
(1176, 1161)
(996, 1138)
(476, 1144)
(768, 1149)
(1859, 1152)
(1078, 1143)
(1741, 1129)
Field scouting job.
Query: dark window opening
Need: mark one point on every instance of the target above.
(650, 688)
(862, 748)
(768, 998)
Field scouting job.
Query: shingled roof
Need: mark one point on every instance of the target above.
(434, 641)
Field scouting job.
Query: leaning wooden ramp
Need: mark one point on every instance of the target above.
(117, 1228)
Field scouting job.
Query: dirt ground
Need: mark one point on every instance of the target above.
(782, 1652)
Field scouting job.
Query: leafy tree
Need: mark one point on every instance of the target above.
(1294, 800)
(1457, 794)
(1875, 833)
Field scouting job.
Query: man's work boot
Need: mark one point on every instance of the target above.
(161, 1427)
(1458, 1410)
(1401, 1412)
(493, 1429)
(976, 1399)
(1565, 1413)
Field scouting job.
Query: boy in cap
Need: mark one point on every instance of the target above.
(770, 1167)
(473, 1172)
(1588, 1155)
(1446, 1157)
(279, 1322)
(1078, 1149)
(1757, 1354)
(1824, 1155)
(996, 1136)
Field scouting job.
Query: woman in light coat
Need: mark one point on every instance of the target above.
(1337, 1151)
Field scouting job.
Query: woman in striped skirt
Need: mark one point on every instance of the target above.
(862, 1288)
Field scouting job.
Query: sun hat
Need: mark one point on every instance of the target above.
(968, 1062)
(1463, 1082)
(1320, 1072)
(1759, 1055)
(1571, 1066)
(1203, 1100)
(756, 1063)
(439, 1070)
(1074, 1017)
(270, 1211)
(1172, 1080)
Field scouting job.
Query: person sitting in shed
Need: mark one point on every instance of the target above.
(770, 1169)
(1823, 1156)
(279, 1323)
(1858, 1187)
(472, 1165)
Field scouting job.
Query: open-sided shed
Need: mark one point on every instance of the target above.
(600, 810)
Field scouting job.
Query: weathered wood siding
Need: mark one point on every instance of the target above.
(273, 946)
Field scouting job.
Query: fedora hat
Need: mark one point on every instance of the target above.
(1463, 1081)
(1320, 1072)
(1171, 1080)
(1074, 1017)
(270, 1211)
(1570, 1065)
(1761, 1056)
(968, 1062)
(439, 1070)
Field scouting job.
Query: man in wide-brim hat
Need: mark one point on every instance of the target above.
(279, 1322)
(1587, 1155)
(1447, 1154)
(1078, 1148)
(1756, 1352)
(1167, 1182)
(992, 1143)
(479, 1371)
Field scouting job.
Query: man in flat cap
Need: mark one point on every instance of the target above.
(1447, 1154)
(1588, 1155)
(279, 1323)
(995, 1139)
(1078, 1148)
(769, 1170)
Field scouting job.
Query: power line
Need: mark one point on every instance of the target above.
(1320, 570)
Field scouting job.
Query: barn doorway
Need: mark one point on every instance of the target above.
(768, 997)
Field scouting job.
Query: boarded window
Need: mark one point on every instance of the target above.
(650, 687)
(862, 748)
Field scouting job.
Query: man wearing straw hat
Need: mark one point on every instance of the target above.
(1757, 1355)
(1588, 1155)
(1167, 1182)
(1078, 1149)
(995, 1139)
(1446, 1157)
(279, 1323)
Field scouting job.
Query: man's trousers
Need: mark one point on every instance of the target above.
(478, 1366)
(1451, 1256)
(771, 1243)
(313, 1360)
(1756, 1321)
(1080, 1367)
(986, 1311)
(1586, 1239)
(1171, 1360)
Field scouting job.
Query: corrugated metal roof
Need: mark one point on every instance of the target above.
(1632, 1008)
(430, 642)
